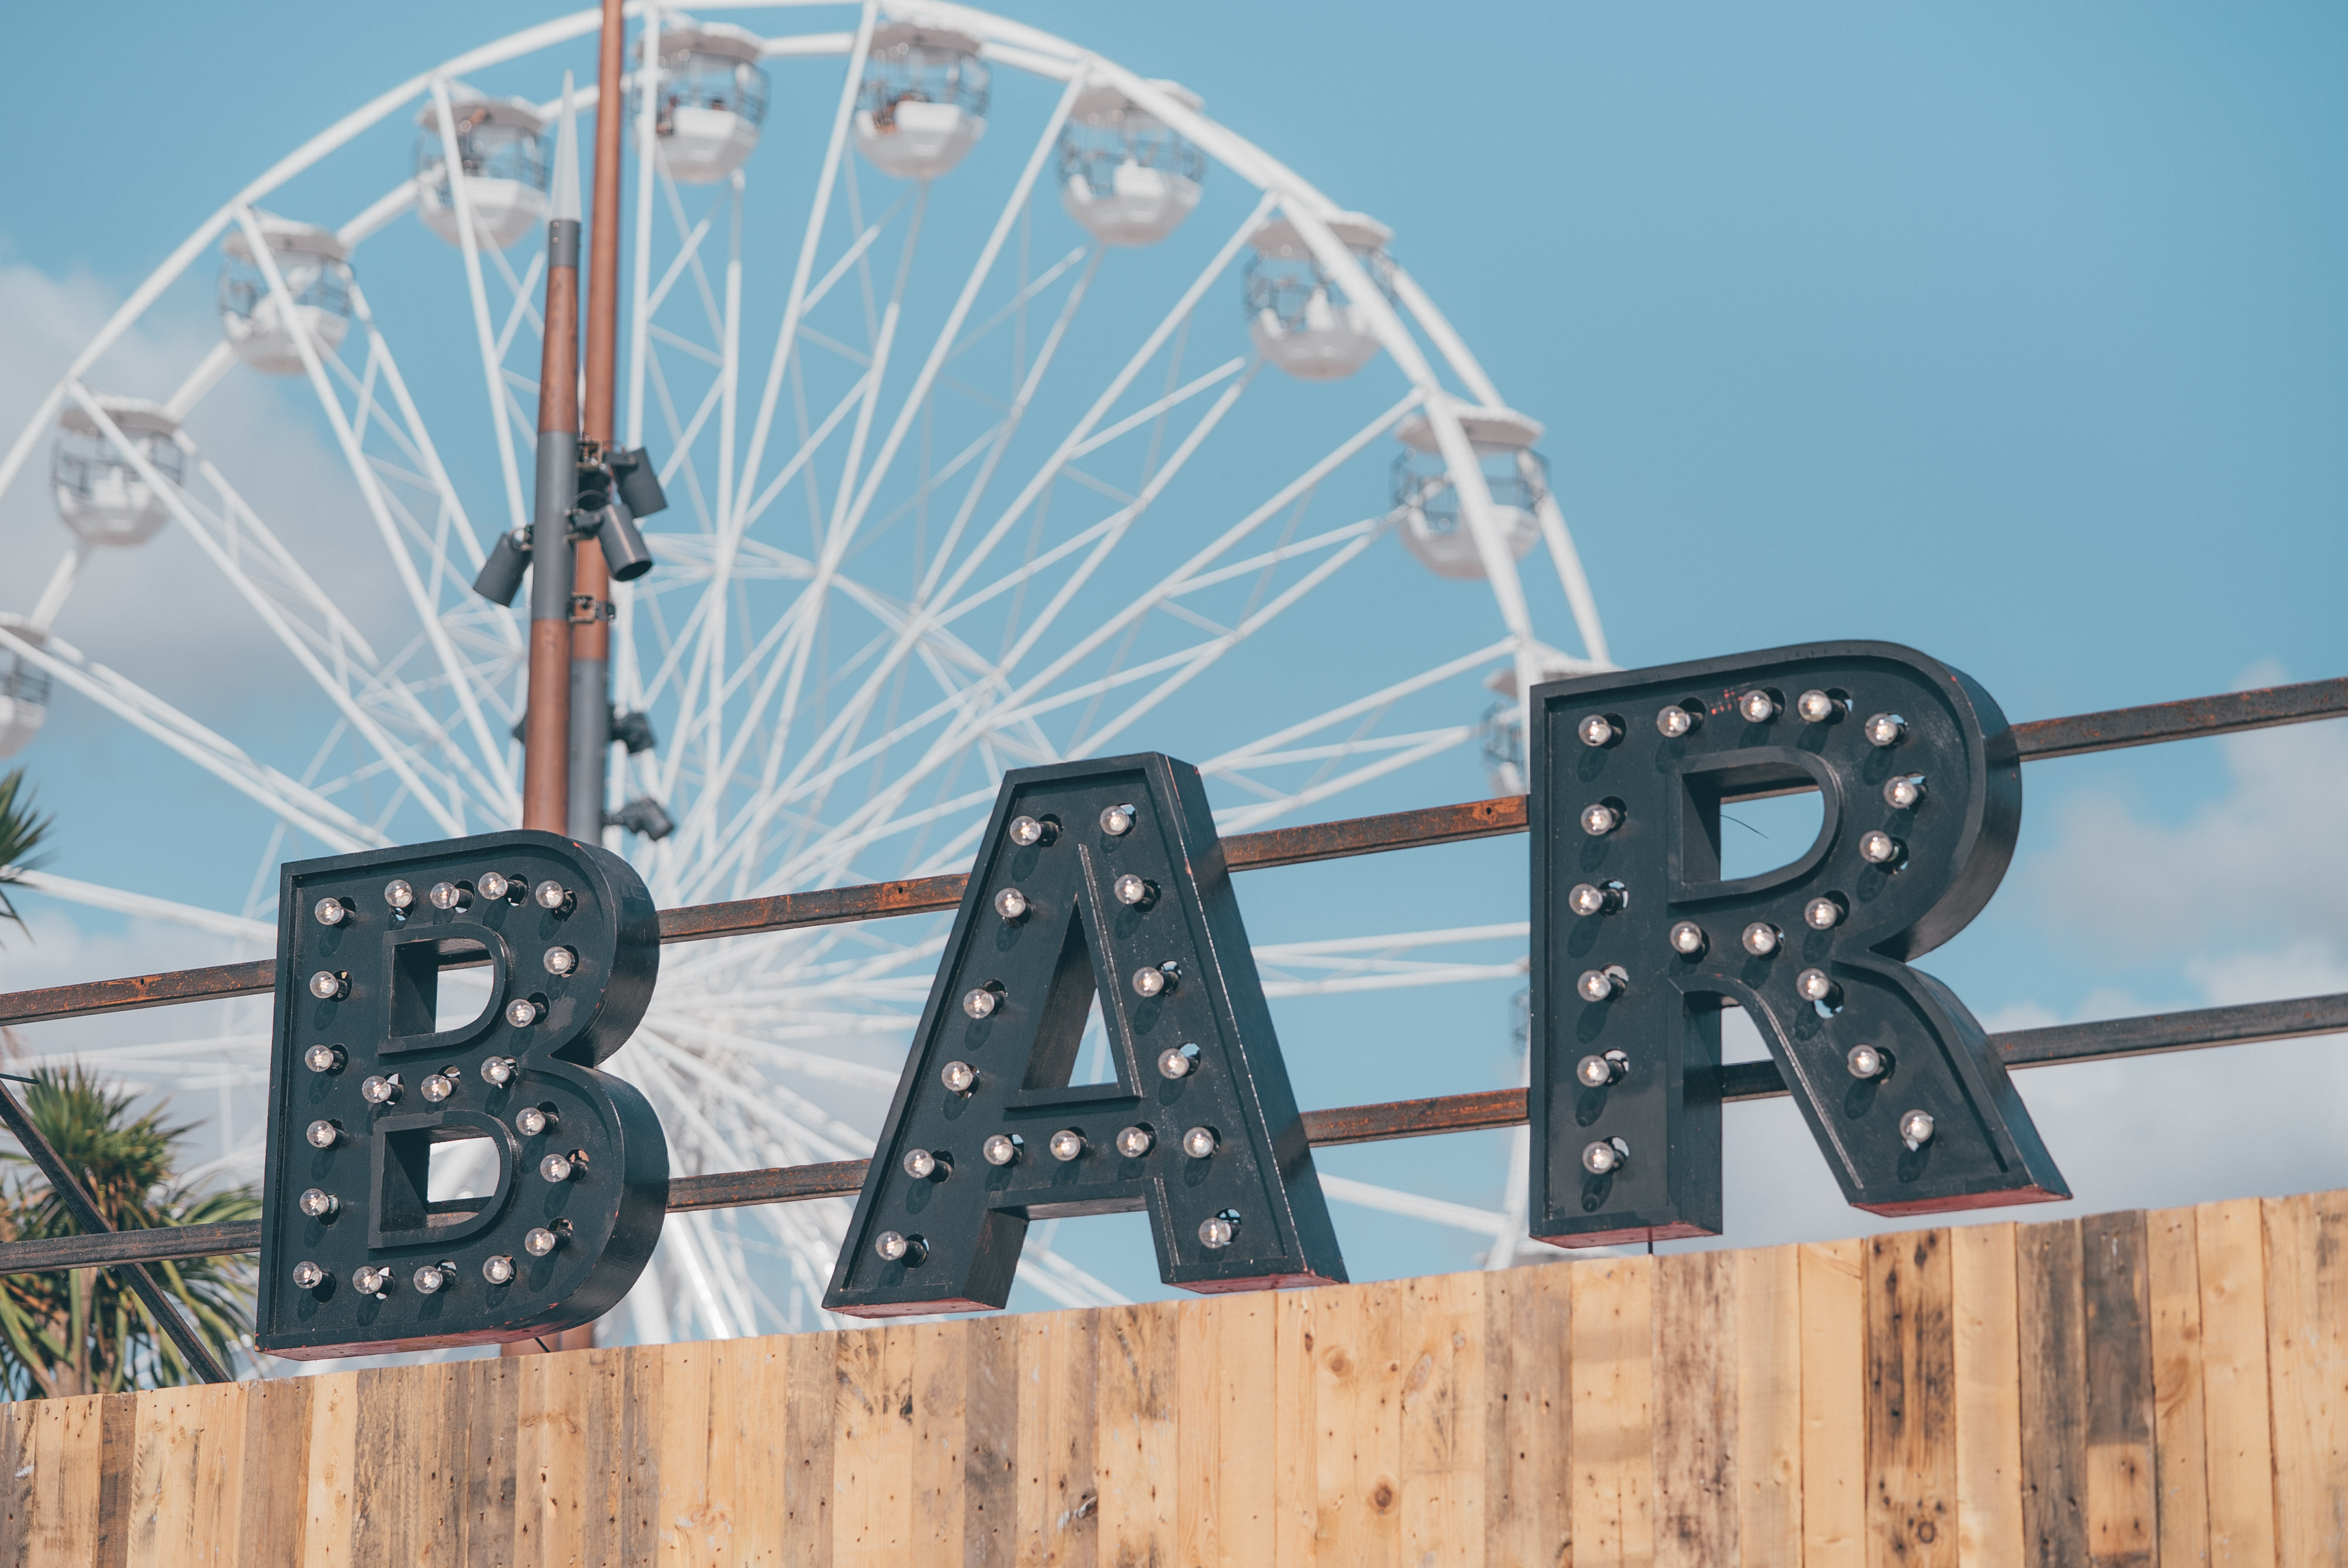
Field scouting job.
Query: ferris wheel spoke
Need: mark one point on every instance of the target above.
(90, 895)
(1411, 1205)
(493, 347)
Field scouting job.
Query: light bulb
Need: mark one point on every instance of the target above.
(432, 1278)
(498, 1270)
(541, 1242)
(1029, 831)
(1865, 1062)
(1757, 707)
(1216, 1233)
(1599, 819)
(921, 1164)
(319, 1203)
(1595, 1071)
(560, 960)
(522, 1012)
(328, 985)
(447, 895)
(1135, 891)
(1673, 722)
(324, 1134)
(331, 912)
(1605, 1157)
(499, 1071)
(1603, 985)
(960, 1077)
(983, 1002)
(892, 1247)
(999, 1149)
(551, 896)
(495, 885)
(1156, 980)
(1587, 899)
(1116, 822)
(558, 1168)
(1598, 731)
(397, 893)
(1133, 1142)
(1067, 1144)
(1905, 792)
(1200, 1143)
(379, 1089)
(532, 1119)
(1814, 985)
(1174, 1064)
(1817, 708)
(1916, 1129)
(1011, 903)
(1886, 729)
(437, 1086)
(1761, 939)
(1688, 939)
(370, 1280)
(1822, 915)
(308, 1276)
(1878, 848)
(324, 1059)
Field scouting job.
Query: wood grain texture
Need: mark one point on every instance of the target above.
(1440, 1410)
(1528, 1418)
(1834, 1405)
(118, 1421)
(1695, 1409)
(2050, 1328)
(1295, 1427)
(1135, 1456)
(1059, 1500)
(2179, 1416)
(1990, 1531)
(2307, 1365)
(811, 1378)
(69, 1456)
(989, 1524)
(1357, 1433)
(1768, 1447)
(872, 1447)
(330, 1487)
(1613, 1413)
(1912, 1374)
(2229, 1246)
(2115, 1288)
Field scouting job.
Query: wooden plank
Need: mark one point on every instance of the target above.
(2229, 1248)
(2307, 1363)
(215, 1517)
(330, 1487)
(1529, 1416)
(1135, 1455)
(2050, 1323)
(161, 1494)
(1199, 1431)
(492, 1393)
(2179, 1419)
(2122, 1522)
(1990, 1531)
(1613, 1412)
(1695, 1384)
(271, 1471)
(613, 1449)
(989, 1519)
(872, 1447)
(1911, 1401)
(811, 1378)
(1059, 1505)
(69, 1448)
(1441, 1407)
(748, 1444)
(940, 1386)
(674, 1514)
(117, 1423)
(1357, 1430)
(1834, 1406)
(1768, 1448)
(1295, 1431)
(549, 1502)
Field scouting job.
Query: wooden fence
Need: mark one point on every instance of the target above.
(2136, 1388)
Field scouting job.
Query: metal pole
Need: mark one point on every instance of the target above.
(591, 634)
(546, 736)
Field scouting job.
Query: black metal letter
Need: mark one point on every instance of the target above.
(1638, 943)
(1095, 879)
(572, 944)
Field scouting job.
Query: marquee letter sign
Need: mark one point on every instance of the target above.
(1095, 879)
(1638, 943)
(358, 1253)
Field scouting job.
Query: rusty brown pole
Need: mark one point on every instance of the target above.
(590, 635)
(546, 734)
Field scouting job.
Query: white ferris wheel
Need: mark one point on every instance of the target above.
(1012, 409)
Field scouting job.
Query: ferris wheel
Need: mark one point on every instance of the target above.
(1011, 410)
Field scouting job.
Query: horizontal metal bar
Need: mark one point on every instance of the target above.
(2196, 1029)
(2051, 737)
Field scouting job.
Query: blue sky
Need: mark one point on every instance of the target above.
(2014, 333)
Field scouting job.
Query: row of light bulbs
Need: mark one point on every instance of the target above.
(450, 896)
(379, 1280)
(1759, 705)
